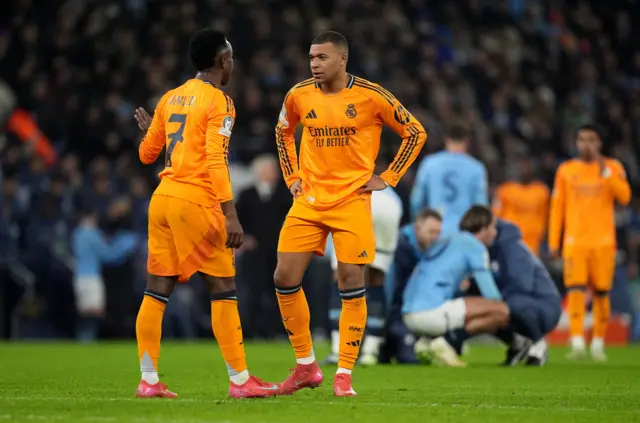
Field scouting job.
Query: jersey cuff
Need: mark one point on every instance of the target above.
(291, 180)
(386, 180)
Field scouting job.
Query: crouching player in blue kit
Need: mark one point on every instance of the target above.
(414, 239)
(429, 306)
(526, 286)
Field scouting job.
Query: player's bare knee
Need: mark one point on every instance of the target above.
(218, 285)
(290, 269)
(601, 293)
(350, 276)
(163, 285)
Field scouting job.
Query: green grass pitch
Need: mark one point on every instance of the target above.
(96, 383)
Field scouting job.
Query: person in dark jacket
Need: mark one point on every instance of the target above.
(530, 293)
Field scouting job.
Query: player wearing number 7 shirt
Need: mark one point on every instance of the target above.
(193, 226)
(450, 181)
(342, 117)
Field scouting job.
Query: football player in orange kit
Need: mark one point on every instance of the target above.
(582, 210)
(342, 117)
(525, 203)
(193, 225)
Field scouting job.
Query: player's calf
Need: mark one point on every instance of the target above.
(296, 318)
(353, 319)
(485, 316)
(149, 332)
(601, 314)
(227, 329)
(376, 308)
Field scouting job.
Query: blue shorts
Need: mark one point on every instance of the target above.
(534, 317)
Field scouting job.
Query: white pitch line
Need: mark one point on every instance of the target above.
(399, 404)
(102, 418)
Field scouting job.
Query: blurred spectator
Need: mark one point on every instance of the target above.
(91, 251)
(119, 271)
(261, 209)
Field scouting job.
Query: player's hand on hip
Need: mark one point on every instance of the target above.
(142, 117)
(235, 234)
(296, 188)
(554, 254)
(376, 183)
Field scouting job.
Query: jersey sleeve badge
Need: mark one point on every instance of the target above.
(283, 117)
(227, 126)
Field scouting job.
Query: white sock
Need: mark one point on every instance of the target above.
(371, 345)
(307, 360)
(240, 378)
(577, 343)
(335, 342)
(150, 377)
(538, 349)
(148, 370)
(343, 370)
(597, 344)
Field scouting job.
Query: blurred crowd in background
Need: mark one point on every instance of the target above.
(521, 74)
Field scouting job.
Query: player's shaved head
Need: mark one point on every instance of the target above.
(205, 46)
(334, 38)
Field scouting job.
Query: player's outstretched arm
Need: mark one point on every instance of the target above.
(286, 142)
(219, 125)
(413, 135)
(154, 138)
(557, 211)
(617, 178)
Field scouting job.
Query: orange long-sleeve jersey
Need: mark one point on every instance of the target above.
(582, 204)
(194, 122)
(341, 138)
(525, 205)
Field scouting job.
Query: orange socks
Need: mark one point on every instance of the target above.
(296, 319)
(353, 320)
(149, 332)
(576, 309)
(225, 321)
(601, 307)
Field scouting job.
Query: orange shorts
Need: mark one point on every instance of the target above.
(589, 266)
(185, 238)
(350, 222)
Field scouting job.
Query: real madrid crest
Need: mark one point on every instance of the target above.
(351, 111)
